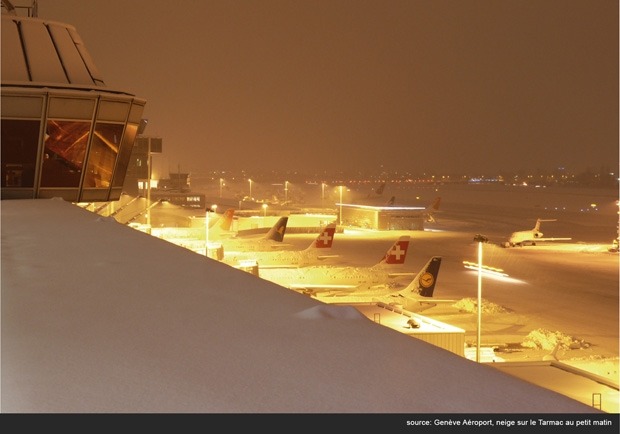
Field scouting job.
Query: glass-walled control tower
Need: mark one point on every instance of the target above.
(64, 133)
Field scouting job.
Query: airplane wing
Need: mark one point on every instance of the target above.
(279, 246)
(342, 290)
(323, 257)
(533, 241)
(323, 289)
(401, 274)
(276, 266)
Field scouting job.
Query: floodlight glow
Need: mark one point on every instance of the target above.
(485, 269)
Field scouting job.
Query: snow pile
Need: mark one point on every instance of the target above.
(471, 305)
(546, 340)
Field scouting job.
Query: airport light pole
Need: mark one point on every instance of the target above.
(213, 207)
(264, 212)
(322, 193)
(250, 181)
(285, 191)
(340, 212)
(221, 185)
(207, 233)
(149, 163)
(479, 239)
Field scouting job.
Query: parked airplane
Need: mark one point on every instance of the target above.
(418, 295)
(272, 240)
(326, 279)
(193, 237)
(522, 238)
(316, 252)
(414, 297)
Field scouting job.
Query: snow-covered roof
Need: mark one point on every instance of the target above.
(41, 52)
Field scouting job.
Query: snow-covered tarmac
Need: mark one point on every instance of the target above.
(563, 292)
(98, 317)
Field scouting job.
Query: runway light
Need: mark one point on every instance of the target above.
(485, 269)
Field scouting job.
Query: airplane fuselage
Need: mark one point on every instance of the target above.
(282, 258)
(525, 237)
(325, 278)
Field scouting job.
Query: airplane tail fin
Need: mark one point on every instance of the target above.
(325, 239)
(376, 192)
(318, 250)
(397, 253)
(432, 208)
(276, 233)
(225, 222)
(391, 201)
(537, 226)
(222, 226)
(379, 190)
(423, 284)
(538, 221)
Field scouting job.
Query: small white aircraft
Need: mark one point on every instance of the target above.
(314, 254)
(522, 238)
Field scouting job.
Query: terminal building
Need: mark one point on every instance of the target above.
(387, 217)
(382, 217)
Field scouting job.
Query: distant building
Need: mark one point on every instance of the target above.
(176, 189)
(185, 199)
(382, 217)
(136, 181)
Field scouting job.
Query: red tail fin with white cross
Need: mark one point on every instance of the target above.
(397, 253)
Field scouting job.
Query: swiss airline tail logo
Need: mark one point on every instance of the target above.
(397, 253)
(325, 238)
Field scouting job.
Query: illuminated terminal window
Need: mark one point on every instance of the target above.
(76, 155)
